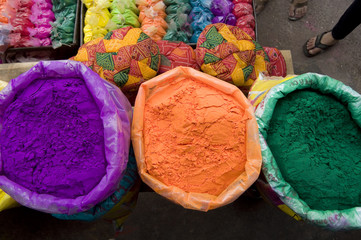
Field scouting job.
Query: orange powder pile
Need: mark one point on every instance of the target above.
(194, 137)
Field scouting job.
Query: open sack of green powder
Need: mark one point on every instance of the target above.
(195, 139)
(64, 135)
(311, 148)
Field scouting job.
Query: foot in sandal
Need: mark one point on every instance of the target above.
(317, 44)
(297, 10)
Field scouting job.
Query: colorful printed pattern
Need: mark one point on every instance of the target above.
(278, 63)
(175, 54)
(230, 54)
(126, 57)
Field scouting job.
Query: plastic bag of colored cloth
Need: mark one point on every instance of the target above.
(195, 37)
(115, 112)
(174, 9)
(241, 9)
(177, 21)
(178, 34)
(230, 54)
(175, 2)
(200, 14)
(230, 19)
(97, 17)
(125, 57)
(221, 7)
(200, 18)
(153, 8)
(167, 84)
(264, 95)
(63, 26)
(249, 31)
(277, 62)
(95, 32)
(125, 19)
(120, 204)
(122, 5)
(95, 21)
(175, 54)
(246, 21)
(201, 3)
(243, 1)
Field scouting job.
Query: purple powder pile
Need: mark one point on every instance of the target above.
(52, 140)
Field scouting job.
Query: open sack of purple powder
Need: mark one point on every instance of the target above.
(64, 138)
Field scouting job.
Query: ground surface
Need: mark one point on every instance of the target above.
(157, 218)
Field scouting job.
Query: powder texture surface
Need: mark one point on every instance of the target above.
(317, 146)
(52, 140)
(194, 137)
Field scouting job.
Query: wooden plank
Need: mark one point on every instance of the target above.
(9, 71)
(288, 58)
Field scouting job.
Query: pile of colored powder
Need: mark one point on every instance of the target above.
(52, 140)
(317, 146)
(194, 137)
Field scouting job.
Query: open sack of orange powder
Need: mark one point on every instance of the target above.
(195, 139)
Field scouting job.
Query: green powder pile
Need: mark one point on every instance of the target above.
(317, 146)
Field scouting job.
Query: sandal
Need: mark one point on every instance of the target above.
(259, 5)
(297, 4)
(318, 44)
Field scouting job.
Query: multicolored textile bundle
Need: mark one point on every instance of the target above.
(230, 54)
(277, 61)
(126, 57)
(175, 54)
(152, 18)
(177, 19)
